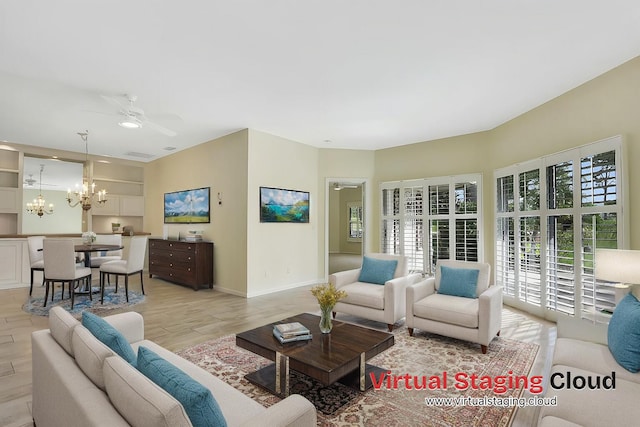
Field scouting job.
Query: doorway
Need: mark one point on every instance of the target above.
(345, 224)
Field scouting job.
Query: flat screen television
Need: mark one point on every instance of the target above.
(187, 206)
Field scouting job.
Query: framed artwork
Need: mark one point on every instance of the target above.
(280, 205)
(187, 206)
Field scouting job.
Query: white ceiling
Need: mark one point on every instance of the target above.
(362, 74)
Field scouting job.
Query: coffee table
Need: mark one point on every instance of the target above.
(338, 356)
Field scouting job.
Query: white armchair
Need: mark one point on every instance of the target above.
(379, 302)
(476, 318)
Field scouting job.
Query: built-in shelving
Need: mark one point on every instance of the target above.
(10, 190)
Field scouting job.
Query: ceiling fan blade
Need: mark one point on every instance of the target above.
(159, 128)
(114, 101)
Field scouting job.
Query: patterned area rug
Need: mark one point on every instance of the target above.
(112, 301)
(421, 355)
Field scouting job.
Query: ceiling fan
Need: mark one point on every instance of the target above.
(133, 117)
(339, 186)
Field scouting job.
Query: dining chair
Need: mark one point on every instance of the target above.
(60, 266)
(36, 258)
(132, 265)
(107, 239)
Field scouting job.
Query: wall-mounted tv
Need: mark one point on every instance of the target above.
(279, 205)
(187, 206)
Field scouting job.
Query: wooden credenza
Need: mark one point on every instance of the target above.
(187, 263)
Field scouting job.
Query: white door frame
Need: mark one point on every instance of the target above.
(366, 214)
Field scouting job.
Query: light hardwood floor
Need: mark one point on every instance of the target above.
(177, 317)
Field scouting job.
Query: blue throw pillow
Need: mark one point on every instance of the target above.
(623, 335)
(377, 271)
(459, 282)
(109, 335)
(197, 400)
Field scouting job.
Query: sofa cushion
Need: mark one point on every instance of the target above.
(61, 325)
(448, 309)
(138, 399)
(90, 354)
(197, 400)
(109, 336)
(459, 282)
(623, 335)
(364, 294)
(377, 271)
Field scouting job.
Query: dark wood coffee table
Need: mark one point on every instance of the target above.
(338, 356)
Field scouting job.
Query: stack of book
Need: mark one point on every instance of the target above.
(290, 332)
(193, 236)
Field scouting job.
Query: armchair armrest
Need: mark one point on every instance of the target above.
(130, 324)
(421, 289)
(344, 277)
(294, 411)
(415, 293)
(394, 296)
(490, 313)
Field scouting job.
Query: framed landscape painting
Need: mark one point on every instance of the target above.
(187, 207)
(280, 205)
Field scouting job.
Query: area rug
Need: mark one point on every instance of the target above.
(112, 301)
(421, 355)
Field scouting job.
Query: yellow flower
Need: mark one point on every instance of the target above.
(327, 295)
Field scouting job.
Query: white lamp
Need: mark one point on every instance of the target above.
(620, 267)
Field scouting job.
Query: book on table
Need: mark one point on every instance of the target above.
(290, 330)
(293, 338)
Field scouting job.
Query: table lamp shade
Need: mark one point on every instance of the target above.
(618, 266)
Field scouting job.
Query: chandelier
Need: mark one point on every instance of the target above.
(37, 207)
(84, 196)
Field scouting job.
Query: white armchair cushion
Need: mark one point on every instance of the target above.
(448, 309)
(364, 294)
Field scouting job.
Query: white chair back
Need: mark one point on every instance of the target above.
(402, 269)
(59, 259)
(35, 243)
(110, 239)
(137, 250)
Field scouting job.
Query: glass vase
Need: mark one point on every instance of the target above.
(325, 319)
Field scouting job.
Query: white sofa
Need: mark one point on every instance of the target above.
(581, 349)
(78, 381)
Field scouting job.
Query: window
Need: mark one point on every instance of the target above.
(431, 219)
(355, 221)
(547, 232)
